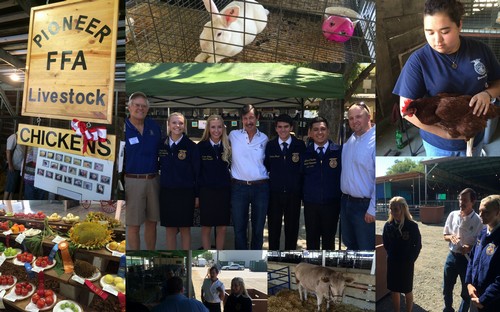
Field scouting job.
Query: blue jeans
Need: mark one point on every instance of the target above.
(431, 150)
(455, 265)
(241, 197)
(356, 233)
(34, 193)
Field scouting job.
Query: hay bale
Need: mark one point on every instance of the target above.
(289, 301)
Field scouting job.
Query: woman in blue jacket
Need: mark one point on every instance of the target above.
(214, 182)
(179, 166)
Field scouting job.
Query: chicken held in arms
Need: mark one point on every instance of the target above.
(452, 113)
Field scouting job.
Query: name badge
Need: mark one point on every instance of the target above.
(133, 140)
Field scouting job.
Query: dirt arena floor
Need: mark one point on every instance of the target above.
(428, 278)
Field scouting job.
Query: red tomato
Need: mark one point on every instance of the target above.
(24, 291)
(19, 257)
(35, 298)
(38, 262)
(40, 303)
(43, 264)
(49, 300)
(18, 291)
(29, 258)
(40, 292)
(49, 293)
(29, 287)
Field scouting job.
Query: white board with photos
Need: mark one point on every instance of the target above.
(73, 176)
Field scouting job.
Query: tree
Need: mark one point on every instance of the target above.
(207, 255)
(405, 165)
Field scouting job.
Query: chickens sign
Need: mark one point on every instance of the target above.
(70, 64)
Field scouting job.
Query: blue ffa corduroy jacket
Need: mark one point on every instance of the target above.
(284, 172)
(322, 177)
(214, 172)
(483, 270)
(180, 165)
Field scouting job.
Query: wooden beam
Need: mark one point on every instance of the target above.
(14, 61)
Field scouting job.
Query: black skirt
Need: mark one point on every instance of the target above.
(176, 207)
(215, 206)
(400, 276)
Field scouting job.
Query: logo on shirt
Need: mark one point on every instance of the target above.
(479, 67)
(182, 154)
(333, 163)
(490, 249)
(295, 157)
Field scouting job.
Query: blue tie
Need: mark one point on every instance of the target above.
(321, 153)
(217, 150)
(285, 148)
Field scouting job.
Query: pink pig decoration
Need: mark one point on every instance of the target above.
(338, 28)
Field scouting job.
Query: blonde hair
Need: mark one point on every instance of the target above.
(491, 201)
(226, 154)
(400, 202)
(243, 289)
(178, 115)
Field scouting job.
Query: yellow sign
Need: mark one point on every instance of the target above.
(70, 65)
(65, 141)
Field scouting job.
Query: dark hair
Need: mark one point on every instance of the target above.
(214, 268)
(316, 120)
(174, 285)
(453, 8)
(284, 118)
(472, 193)
(247, 109)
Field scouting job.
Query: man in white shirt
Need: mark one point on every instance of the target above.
(249, 180)
(357, 212)
(461, 230)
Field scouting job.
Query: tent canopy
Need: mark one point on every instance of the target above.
(269, 80)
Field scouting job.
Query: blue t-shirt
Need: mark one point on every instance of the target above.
(142, 149)
(428, 72)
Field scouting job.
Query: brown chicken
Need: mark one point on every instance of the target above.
(452, 113)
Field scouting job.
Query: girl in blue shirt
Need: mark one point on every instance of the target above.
(448, 63)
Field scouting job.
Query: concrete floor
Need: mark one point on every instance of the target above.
(386, 142)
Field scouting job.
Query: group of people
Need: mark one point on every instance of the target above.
(213, 294)
(20, 169)
(224, 175)
(473, 242)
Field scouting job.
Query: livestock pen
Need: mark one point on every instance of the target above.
(169, 31)
(282, 288)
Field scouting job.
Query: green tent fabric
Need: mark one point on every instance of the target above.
(270, 80)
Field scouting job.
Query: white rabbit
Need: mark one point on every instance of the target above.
(233, 28)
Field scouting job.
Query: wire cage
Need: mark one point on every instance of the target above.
(482, 21)
(169, 31)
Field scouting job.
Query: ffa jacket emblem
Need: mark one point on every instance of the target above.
(490, 249)
(295, 157)
(182, 154)
(333, 163)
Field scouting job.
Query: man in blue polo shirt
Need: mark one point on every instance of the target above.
(143, 138)
(282, 161)
(176, 301)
